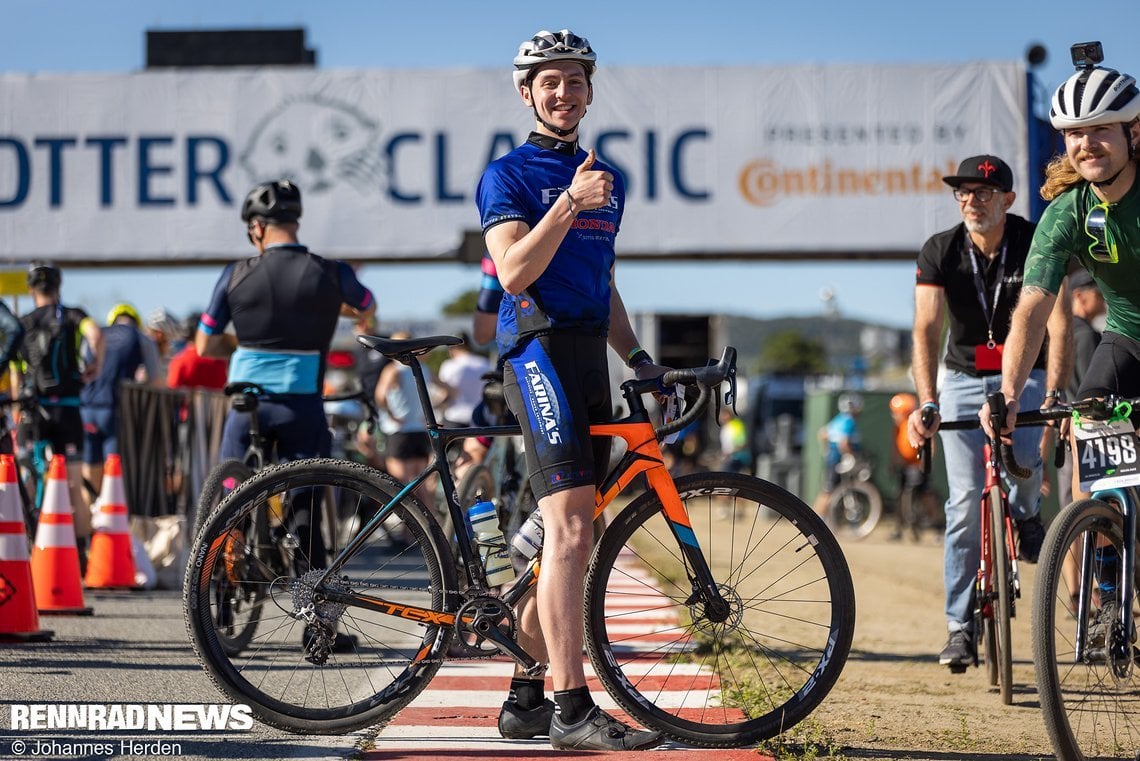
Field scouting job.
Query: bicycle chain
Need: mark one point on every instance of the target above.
(449, 659)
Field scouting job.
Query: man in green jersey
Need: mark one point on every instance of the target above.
(1094, 218)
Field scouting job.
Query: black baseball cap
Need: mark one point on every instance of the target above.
(988, 170)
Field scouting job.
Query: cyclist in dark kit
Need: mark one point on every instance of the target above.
(550, 214)
(283, 304)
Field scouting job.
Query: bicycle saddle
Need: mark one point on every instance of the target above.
(415, 346)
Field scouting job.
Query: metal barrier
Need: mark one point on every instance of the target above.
(168, 440)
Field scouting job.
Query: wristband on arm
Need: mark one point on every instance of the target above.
(637, 357)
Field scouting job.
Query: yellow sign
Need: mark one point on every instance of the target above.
(13, 283)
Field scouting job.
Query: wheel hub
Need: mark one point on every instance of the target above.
(718, 617)
(313, 607)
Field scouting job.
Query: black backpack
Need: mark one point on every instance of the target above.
(51, 348)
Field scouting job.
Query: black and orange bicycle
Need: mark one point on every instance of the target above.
(719, 608)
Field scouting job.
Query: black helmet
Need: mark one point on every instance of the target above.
(44, 275)
(278, 201)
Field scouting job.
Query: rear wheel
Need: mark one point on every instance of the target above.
(724, 678)
(1090, 701)
(236, 606)
(293, 674)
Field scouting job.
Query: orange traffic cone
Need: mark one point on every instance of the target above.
(109, 561)
(55, 560)
(18, 617)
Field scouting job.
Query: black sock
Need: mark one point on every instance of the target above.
(573, 705)
(527, 694)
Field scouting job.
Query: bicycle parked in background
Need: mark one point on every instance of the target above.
(717, 631)
(1086, 607)
(267, 540)
(856, 505)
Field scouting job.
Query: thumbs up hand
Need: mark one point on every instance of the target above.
(591, 188)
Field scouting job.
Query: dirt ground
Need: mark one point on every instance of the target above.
(893, 700)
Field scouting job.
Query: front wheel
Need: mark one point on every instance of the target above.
(1091, 699)
(728, 677)
(855, 510)
(391, 637)
(1003, 587)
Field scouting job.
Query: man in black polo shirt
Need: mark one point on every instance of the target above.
(972, 273)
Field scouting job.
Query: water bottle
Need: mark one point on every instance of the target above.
(492, 545)
(528, 541)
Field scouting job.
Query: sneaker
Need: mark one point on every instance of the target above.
(525, 723)
(959, 650)
(1030, 536)
(600, 731)
(1102, 624)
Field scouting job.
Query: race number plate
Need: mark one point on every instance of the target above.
(1106, 454)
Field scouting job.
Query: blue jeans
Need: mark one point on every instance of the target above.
(962, 396)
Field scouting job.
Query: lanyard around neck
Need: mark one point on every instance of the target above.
(979, 285)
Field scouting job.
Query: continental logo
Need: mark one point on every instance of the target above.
(764, 183)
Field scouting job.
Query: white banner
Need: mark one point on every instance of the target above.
(733, 161)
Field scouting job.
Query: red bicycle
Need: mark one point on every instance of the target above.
(998, 584)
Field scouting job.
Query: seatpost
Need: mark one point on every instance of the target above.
(422, 390)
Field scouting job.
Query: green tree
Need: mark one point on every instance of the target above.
(789, 351)
(462, 305)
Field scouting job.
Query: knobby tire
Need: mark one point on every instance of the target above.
(403, 561)
(1089, 712)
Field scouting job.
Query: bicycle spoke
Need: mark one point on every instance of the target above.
(725, 677)
(1090, 699)
(292, 670)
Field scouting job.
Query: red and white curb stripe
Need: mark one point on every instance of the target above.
(458, 712)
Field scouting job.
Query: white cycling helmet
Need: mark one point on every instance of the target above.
(1093, 96)
(850, 403)
(545, 47)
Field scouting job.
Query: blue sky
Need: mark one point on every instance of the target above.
(109, 35)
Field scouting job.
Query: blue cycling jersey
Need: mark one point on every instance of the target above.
(573, 293)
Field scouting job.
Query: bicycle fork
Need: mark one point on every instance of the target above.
(1117, 648)
(643, 455)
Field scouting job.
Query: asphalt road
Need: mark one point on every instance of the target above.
(133, 650)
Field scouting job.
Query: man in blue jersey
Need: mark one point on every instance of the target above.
(550, 214)
(126, 350)
(284, 306)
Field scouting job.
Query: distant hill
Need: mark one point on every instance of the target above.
(845, 340)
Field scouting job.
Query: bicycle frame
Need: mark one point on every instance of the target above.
(643, 455)
(986, 565)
